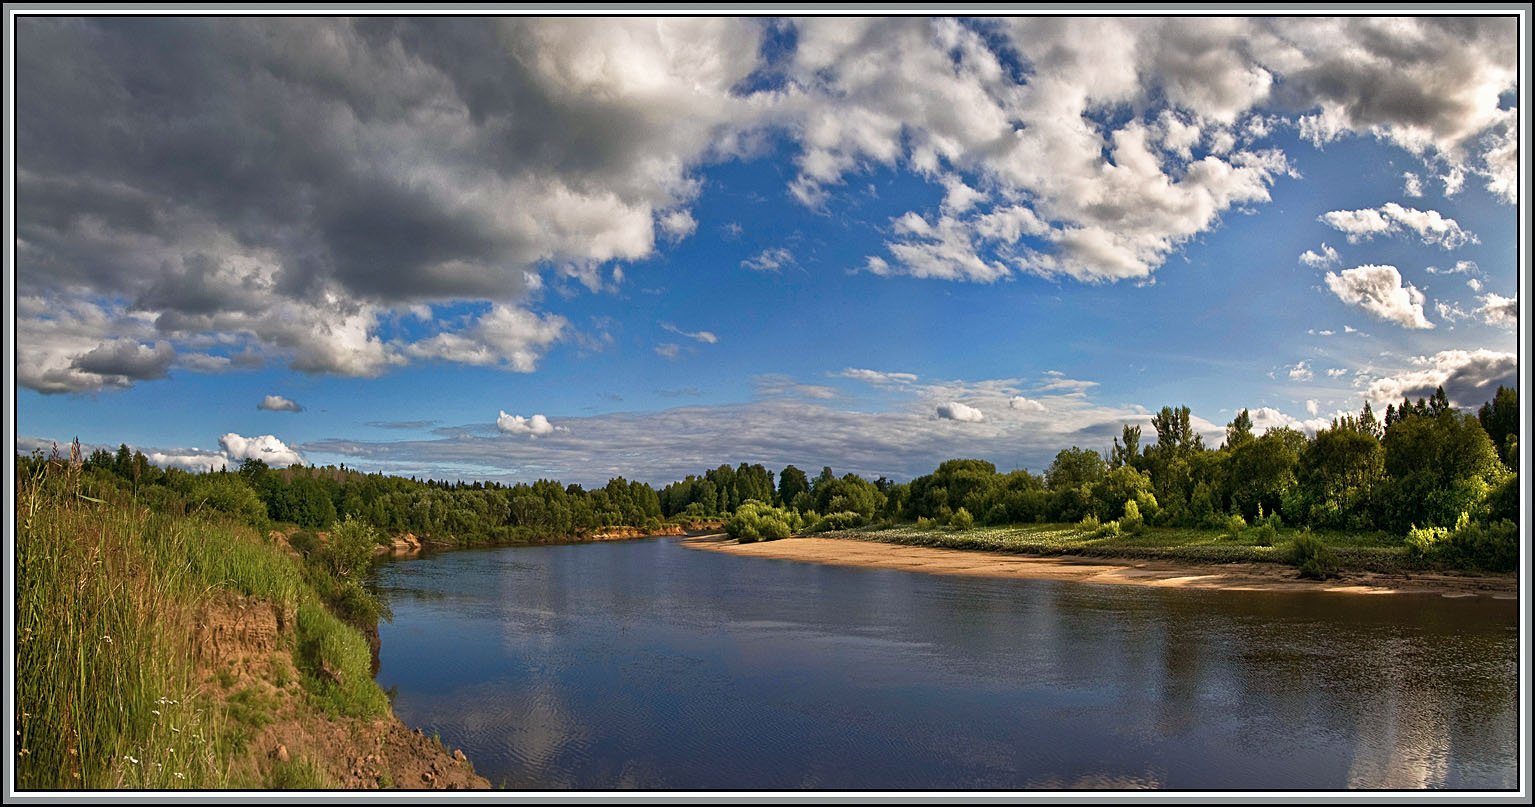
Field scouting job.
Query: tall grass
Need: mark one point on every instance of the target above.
(108, 690)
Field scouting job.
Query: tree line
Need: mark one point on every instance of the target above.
(1423, 465)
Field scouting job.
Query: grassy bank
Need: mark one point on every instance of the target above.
(162, 651)
(1371, 552)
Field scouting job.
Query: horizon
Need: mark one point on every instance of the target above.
(511, 249)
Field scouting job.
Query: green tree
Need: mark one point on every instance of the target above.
(791, 482)
(1500, 419)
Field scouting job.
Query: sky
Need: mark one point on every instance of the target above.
(576, 248)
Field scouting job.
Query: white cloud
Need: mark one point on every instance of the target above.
(1412, 185)
(1023, 404)
(1311, 407)
(505, 337)
(534, 426)
(1266, 418)
(1301, 371)
(266, 448)
(1462, 267)
(1499, 310)
(1381, 291)
(771, 259)
(707, 337)
(1056, 381)
(1327, 258)
(1390, 218)
(954, 410)
(277, 403)
(678, 224)
(1473, 284)
(1336, 372)
(1469, 377)
(876, 376)
(669, 350)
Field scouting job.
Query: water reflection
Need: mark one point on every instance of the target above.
(649, 665)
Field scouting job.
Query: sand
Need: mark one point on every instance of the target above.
(1105, 571)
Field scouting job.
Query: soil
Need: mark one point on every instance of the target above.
(245, 645)
(1106, 571)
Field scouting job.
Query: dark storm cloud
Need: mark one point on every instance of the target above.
(260, 177)
(127, 359)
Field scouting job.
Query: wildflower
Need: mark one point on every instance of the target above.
(155, 712)
(180, 775)
(131, 759)
(107, 639)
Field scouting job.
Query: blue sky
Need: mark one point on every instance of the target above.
(580, 248)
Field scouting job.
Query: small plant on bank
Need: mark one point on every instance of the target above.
(1132, 522)
(1313, 557)
(962, 520)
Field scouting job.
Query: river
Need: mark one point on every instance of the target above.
(646, 664)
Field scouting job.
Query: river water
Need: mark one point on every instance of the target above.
(646, 664)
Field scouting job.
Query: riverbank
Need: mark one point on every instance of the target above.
(1246, 576)
(166, 651)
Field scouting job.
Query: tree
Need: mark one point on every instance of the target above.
(1339, 473)
(1262, 471)
(1127, 452)
(1438, 467)
(1500, 419)
(1239, 431)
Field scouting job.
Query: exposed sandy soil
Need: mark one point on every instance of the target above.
(1106, 571)
(244, 644)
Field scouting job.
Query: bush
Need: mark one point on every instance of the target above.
(925, 523)
(845, 520)
(1089, 524)
(754, 521)
(1235, 524)
(1265, 534)
(1313, 557)
(350, 549)
(1471, 545)
(304, 542)
(1109, 529)
(962, 520)
(1132, 522)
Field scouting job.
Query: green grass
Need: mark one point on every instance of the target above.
(1353, 551)
(108, 690)
(297, 774)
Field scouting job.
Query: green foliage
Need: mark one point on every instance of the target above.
(962, 520)
(844, 520)
(1089, 524)
(1234, 525)
(755, 521)
(1313, 557)
(336, 664)
(1491, 547)
(1500, 419)
(1132, 522)
(298, 774)
(349, 550)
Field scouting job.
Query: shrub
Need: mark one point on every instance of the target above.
(350, 549)
(1492, 547)
(1089, 523)
(754, 521)
(1109, 529)
(1235, 524)
(925, 523)
(962, 520)
(1265, 534)
(845, 520)
(1132, 522)
(1313, 557)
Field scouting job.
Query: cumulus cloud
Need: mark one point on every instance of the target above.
(1325, 259)
(771, 259)
(505, 337)
(1024, 404)
(292, 183)
(1336, 372)
(1460, 268)
(1301, 371)
(707, 337)
(534, 426)
(1412, 184)
(876, 376)
(1469, 377)
(266, 448)
(1499, 310)
(1381, 291)
(954, 410)
(277, 403)
(1391, 218)
(1311, 407)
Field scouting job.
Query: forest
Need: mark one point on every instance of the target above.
(1423, 467)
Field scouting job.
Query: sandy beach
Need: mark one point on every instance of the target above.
(1105, 571)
